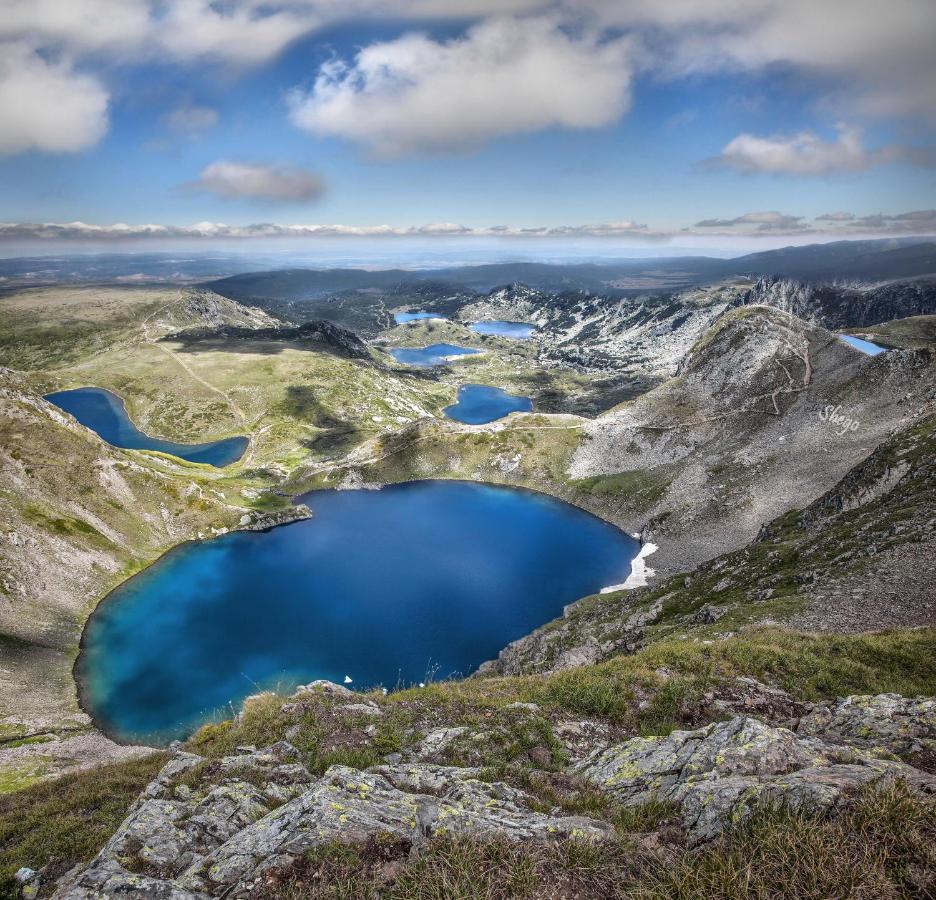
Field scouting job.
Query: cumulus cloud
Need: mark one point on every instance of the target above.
(123, 231)
(254, 181)
(525, 65)
(764, 221)
(505, 76)
(78, 25)
(836, 217)
(802, 154)
(759, 224)
(919, 221)
(46, 105)
(875, 56)
(191, 119)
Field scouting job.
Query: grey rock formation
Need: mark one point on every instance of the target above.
(250, 814)
(888, 721)
(716, 775)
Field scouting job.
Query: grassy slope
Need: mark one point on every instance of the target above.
(773, 578)
(659, 688)
(912, 333)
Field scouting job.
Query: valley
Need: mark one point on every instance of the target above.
(682, 418)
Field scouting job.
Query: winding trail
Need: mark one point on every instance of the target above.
(235, 409)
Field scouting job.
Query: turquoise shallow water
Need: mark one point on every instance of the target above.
(105, 414)
(387, 587)
(433, 355)
(401, 318)
(478, 404)
(516, 330)
(862, 345)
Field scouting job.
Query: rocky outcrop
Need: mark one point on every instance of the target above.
(718, 774)
(889, 721)
(709, 456)
(203, 308)
(212, 828)
(314, 335)
(258, 520)
(838, 307)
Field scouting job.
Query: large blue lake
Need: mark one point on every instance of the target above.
(433, 355)
(105, 414)
(384, 586)
(518, 331)
(477, 404)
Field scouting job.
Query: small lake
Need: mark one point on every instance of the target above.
(387, 587)
(105, 414)
(862, 345)
(478, 404)
(402, 318)
(517, 331)
(433, 355)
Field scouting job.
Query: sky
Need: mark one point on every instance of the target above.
(581, 127)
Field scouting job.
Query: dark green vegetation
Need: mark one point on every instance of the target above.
(64, 822)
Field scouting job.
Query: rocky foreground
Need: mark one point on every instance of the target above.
(235, 825)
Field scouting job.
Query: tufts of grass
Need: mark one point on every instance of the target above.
(884, 846)
(66, 821)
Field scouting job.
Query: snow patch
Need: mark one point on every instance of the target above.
(639, 572)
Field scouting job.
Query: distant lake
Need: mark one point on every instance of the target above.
(403, 317)
(863, 346)
(478, 404)
(518, 331)
(387, 587)
(433, 355)
(105, 414)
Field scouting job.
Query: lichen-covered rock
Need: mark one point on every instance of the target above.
(192, 807)
(221, 839)
(896, 724)
(717, 774)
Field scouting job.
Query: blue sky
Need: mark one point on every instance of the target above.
(630, 127)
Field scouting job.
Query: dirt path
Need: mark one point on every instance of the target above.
(235, 409)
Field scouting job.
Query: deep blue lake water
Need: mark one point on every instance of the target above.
(105, 413)
(477, 404)
(403, 317)
(863, 346)
(516, 330)
(433, 355)
(384, 586)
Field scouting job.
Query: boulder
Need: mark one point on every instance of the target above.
(716, 775)
(219, 838)
(894, 723)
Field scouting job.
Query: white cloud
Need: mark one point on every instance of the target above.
(755, 225)
(836, 217)
(77, 25)
(801, 154)
(766, 221)
(47, 106)
(872, 55)
(191, 119)
(121, 231)
(505, 76)
(254, 181)
(807, 154)
(919, 221)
